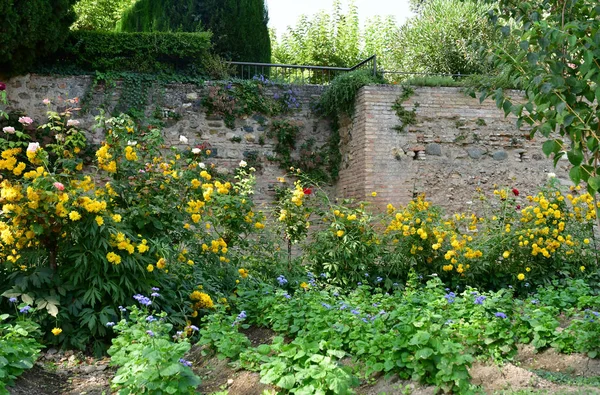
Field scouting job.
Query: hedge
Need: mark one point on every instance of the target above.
(134, 52)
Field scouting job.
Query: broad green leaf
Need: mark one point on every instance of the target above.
(575, 175)
(549, 147)
(594, 183)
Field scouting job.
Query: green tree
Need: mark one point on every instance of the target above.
(239, 27)
(325, 40)
(554, 57)
(32, 29)
(99, 14)
(446, 36)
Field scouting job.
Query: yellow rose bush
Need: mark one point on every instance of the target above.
(140, 215)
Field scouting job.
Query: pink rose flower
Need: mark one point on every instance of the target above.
(33, 147)
(46, 101)
(9, 130)
(72, 122)
(59, 186)
(25, 120)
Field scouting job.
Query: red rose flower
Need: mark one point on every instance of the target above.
(515, 191)
(307, 191)
(518, 206)
(2, 86)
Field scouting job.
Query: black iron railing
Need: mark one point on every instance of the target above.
(297, 74)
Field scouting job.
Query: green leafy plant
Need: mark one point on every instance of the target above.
(149, 360)
(220, 332)
(303, 367)
(19, 348)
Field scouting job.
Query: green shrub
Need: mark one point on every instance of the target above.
(445, 36)
(239, 27)
(136, 52)
(30, 30)
(340, 95)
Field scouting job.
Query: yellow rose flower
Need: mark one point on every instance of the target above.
(56, 331)
(150, 268)
(521, 276)
(340, 233)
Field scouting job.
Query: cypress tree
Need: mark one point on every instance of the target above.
(32, 29)
(239, 27)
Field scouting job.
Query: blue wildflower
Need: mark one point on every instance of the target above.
(450, 297)
(150, 319)
(355, 312)
(194, 328)
(155, 294)
(327, 306)
(185, 362)
(150, 333)
(378, 279)
(12, 300)
(480, 299)
(155, 289)
(25, 309)
(500, 315)
(109, 324)
(282, 280)
(242, 315)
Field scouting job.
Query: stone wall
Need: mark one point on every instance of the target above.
(183, 115)
(456, 146)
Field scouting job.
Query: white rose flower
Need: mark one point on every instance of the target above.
(196, 151)
(131, 143)
(183, 139)
(72, 122)
(551, 175)
(201, 165)
(243, 163)
(32, 147)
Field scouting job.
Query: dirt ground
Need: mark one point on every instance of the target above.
(74, 374)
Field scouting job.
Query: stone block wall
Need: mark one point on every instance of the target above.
(183, 116)
(456, 146)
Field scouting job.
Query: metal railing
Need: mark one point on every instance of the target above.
(297, 74)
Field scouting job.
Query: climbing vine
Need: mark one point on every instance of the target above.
(242, 98)
(407, 117)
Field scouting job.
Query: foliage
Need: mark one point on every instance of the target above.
(239, 27)
(553, 58)
(19, 348)
(303, 367)
(407, 117)
(240, 98)
(221, 333)
(135, 52)
(149, 360)
(348, 248)
(95, 237)
(99, 14)
(337, 39)
(445, 36)
(339, 97)
(30, 30)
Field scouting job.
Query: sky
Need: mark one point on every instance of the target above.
(283, 13)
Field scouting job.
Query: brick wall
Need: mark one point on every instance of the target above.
(456, 146)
